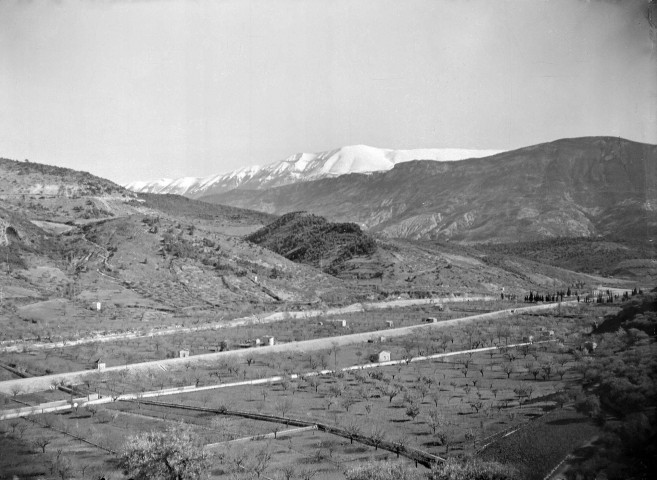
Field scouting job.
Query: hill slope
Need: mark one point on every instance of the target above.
(579, 187)
(303, 167)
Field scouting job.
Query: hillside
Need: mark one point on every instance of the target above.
(597, 256)
(303, 167)
(378, 268)
(312, 240)
(639, 313)
(580, 187)
(153, 260)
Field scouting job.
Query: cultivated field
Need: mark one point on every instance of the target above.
(442, 406)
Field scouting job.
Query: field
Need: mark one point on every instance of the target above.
(443, 406)
(120, 352)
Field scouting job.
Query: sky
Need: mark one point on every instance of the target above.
(140, 90)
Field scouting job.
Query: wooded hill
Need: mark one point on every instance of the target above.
(312, 240)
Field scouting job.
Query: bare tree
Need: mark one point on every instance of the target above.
(400, 443)
(63, 468)
(284, 405)
(288, 472)
(445, 436)
(42, 443)
(21, 429)
(376, 436)
(435, 420)
(313, 381)
(261, 461)
(14, 423)
(353, 430)
(477, 405)
(347, 401)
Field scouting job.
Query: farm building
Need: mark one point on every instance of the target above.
(384, 356)
(184, 353)
(389, 324)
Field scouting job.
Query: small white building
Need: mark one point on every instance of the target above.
(184, 353)
(431, 320)
(384, 356)
(389, 324)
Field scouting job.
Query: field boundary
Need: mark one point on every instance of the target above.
(419, 456)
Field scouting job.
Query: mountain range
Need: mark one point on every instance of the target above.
(578, 187)
(303, 167)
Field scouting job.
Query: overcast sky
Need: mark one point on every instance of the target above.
(149, 89)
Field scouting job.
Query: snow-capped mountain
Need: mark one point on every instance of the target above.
(304, 167)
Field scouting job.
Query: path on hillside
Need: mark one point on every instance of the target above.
(251, 320)
(42, 383)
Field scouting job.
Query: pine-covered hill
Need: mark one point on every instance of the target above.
(312, 240)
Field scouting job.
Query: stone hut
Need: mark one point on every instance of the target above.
(384, 356)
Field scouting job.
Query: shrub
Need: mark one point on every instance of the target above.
(472, 469)
(382, 471)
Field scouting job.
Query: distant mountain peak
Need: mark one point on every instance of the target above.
(304, 167)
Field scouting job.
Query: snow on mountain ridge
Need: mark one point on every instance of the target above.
(302, 167)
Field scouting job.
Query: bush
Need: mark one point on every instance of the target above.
(472, 469)
(382, 471)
